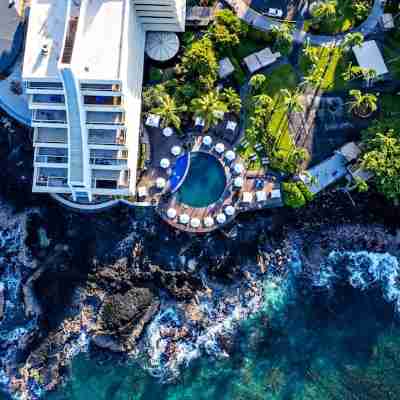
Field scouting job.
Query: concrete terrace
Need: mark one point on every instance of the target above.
(159, 147)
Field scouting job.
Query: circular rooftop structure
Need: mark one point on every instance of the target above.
(11, 36)
(162, 46)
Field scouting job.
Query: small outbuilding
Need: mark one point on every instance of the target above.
(260, 59)
(350, 151)
(370, 57)
(226, 68)
(387, 22)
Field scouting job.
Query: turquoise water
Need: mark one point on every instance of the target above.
(304, 344)
(204, 183)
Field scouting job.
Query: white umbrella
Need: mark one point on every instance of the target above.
(221, 218)
(208, 222)
(164, 163)
(207, 140)
(219, 148)
(160, 183)
(195, 223)
(230, 210)
(184, 218)
(238, 182)
(171, 213)
(176, 150)
(238, 168)
(230, 155)
(167, 132)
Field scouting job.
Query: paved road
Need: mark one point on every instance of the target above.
(264, 23)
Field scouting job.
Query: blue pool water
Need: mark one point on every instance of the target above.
(179, 172)
(204, 183)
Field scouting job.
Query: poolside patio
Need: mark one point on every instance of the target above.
(244, 190)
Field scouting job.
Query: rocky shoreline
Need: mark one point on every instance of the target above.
(125, 283)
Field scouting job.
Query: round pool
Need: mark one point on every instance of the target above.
(204, 183)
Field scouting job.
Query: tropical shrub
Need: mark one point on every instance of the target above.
(382, 157)
(199, 65)
(292, 195)
(227, 29)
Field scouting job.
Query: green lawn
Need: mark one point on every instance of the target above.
(389, 104)
(391, 53)
(333, 61)
(280, 78)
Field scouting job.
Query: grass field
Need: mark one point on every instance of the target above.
(333, 61)
(280, 78)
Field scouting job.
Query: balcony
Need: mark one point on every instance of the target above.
(100, 87)
(108, 157)
(49, 116)
(47, 102)
(116, 137)
(52, 177)
(105, 180)
(115, 101)
(44, 135)
(105, 118)
(50, 155)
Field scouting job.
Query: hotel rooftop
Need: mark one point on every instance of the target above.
(83, 71)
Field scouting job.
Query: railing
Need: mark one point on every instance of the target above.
(46, 181)
(51, 159)
(108, 161)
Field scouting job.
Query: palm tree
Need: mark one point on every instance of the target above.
(210, 108)
(352, 39)
(283, 37)
(292, 100)
(256, 82)
(311, 52)
(362, 104)
(232, 100)
(325, 10)
(169, 111)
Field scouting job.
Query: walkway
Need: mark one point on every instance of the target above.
(261, 22)
(76, 153)
(15, 105)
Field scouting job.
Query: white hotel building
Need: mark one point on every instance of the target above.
(83, 71)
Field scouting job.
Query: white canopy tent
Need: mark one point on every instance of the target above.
(369, 56)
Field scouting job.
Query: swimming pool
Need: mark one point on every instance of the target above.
(204, 183)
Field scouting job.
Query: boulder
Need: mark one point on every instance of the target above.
(120, 310)
(107, 342)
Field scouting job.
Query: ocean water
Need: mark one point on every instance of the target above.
(332, 334)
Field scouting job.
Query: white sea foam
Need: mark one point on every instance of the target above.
(362, 269)
(222, 320)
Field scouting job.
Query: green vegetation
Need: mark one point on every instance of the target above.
(210, 108)
(362, 104)
(296, 194)
(382, 156)
(332, 17)
(270, 100)
(324, 67)
(391, 52)
(169, 111)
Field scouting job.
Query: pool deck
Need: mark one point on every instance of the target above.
(159, 147)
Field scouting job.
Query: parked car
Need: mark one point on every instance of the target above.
(274, 12)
